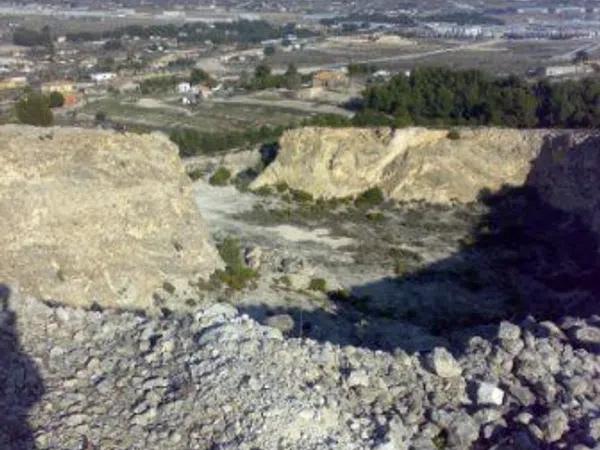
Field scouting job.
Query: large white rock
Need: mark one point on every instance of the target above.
(407, 164)
(443, 364)
(489, 394)
(97, 216)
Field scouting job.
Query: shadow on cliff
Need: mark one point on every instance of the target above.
(523, 257)
(21, 385)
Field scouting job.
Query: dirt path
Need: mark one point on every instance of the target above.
(221, 205)
(299, 105)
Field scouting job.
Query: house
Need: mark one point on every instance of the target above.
(65, 87)
(102, 77)
(567, 70)
(330, 79)
(203, 91)
(13, 83)
(184, 88)
(189, 98)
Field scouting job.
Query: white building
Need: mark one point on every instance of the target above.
(102, 77)
(184, 88)
(561, 71)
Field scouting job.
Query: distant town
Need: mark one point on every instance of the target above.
(293, 59)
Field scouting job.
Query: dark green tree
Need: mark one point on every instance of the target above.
(262, 71)
(34, 109)
(200, 76)
(293, 79)
(56, 99)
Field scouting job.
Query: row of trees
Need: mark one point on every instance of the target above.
(243, 31)
(465, 18)
(439, 96)
(28, 37)
(264, 78)
(167, 83)
(193, 142)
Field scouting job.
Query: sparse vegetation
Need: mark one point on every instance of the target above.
(237, 275)
(195, 174)
(375, 216)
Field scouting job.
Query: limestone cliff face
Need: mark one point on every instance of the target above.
(95, 216)
(407, 164)
(567, 174)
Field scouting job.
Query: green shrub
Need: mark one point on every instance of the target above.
(301, 196)
(163, 83)
(263, 191)
(375, 216)
(192, 142)
(220, 177)
(195, 174)
(56, 99)
(200, 76)
(34, 109)
(318, 284)
(369, 198)
(236, 274)
(453, 135)
(341, 295)
(281, 187)
(100, 116)
(169, 287)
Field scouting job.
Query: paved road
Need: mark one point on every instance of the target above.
(571, 54)
(310, 107)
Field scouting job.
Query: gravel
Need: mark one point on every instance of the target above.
(216, 379)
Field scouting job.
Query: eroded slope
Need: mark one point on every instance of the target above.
(95, 216)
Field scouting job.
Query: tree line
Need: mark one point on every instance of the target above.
(194, 142)
(241, 31)
(28, 37)
(264, 78)
(440, 96)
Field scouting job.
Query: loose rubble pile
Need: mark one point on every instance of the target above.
(75, 379)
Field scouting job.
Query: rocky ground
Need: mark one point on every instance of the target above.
(352, 253)
(336, 325)
(215, 379)
(401, 275)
